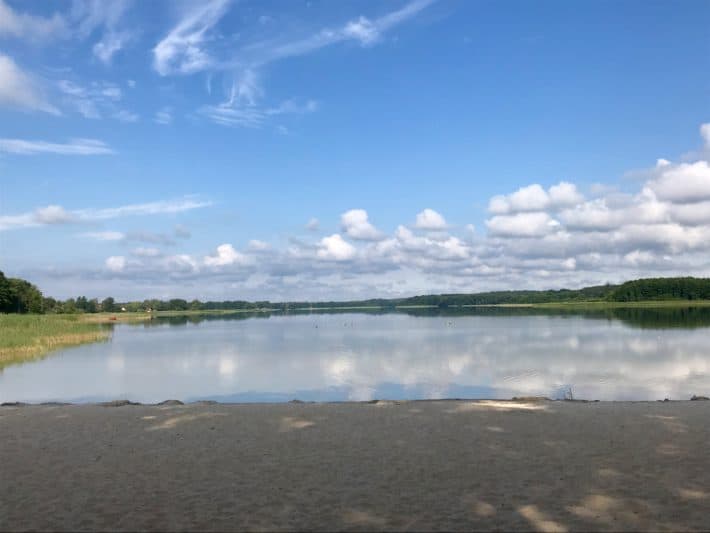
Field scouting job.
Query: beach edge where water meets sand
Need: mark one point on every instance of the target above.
(403, 465)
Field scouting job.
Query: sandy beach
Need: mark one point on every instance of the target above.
(426, 465)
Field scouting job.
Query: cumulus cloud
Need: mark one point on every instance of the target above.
(19, 90)
(522, 225)
(683, 183)
(53, 214)
(224, 256)
(336, 248)
(535, 198)
(116, 263)
(356, 225)
(313, 224)
(430, 219)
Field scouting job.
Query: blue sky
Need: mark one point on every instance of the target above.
(227, 149)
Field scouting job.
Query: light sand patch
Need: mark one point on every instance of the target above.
(492, 405)
(693, 494)
(175, 421)
(483, 509)
(289, 423)
(539, 521)
(363, 518)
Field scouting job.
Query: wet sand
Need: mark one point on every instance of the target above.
(431, 465)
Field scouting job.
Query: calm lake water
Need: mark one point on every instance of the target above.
(620, 354)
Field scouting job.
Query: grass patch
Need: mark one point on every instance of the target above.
(29, 337)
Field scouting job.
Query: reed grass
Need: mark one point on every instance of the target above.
(29, 337)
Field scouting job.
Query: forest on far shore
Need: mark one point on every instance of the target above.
(20, 296)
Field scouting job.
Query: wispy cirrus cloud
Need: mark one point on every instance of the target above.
(191, 47)
(231, 113)
(19, 90)
(55, 214)
(95, 100)
(72, 147)
(31, 27)
(182, 50)
(84, 19)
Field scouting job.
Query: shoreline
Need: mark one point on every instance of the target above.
(24, 342)
(414, 465)
(515, 400)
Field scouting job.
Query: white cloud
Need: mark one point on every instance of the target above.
(111, 43)
(52, 214)
(191, 46)
(55, 214)
(313, 224)
(522, 225)
(564, 194)
(224, 256)
(258, 246)
(182, 51)
(105, 235)
(363, 30)
(705, 134)
(149, 208)
(116, 263)
(535, 198)
(73, 147)
(18, 90)
(335, 248)
(90, 16)
(430, 219)
(356, 225)
(686, 182)
(237, 112)
(95, 100)
(164, 116)
(30, 27)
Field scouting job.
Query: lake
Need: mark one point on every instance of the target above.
(609, 354)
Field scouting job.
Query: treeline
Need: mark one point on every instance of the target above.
(20, 296)
(662, 289)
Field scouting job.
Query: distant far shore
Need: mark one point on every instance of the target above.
(423, 465)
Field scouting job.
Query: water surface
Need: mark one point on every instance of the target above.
(612, 354)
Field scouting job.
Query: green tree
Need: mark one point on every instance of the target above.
(5, 295)
(25, 297)
(108, 305)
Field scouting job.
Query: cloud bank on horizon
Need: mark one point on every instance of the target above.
(170, 236)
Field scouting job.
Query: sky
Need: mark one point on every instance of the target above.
(229, 149)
